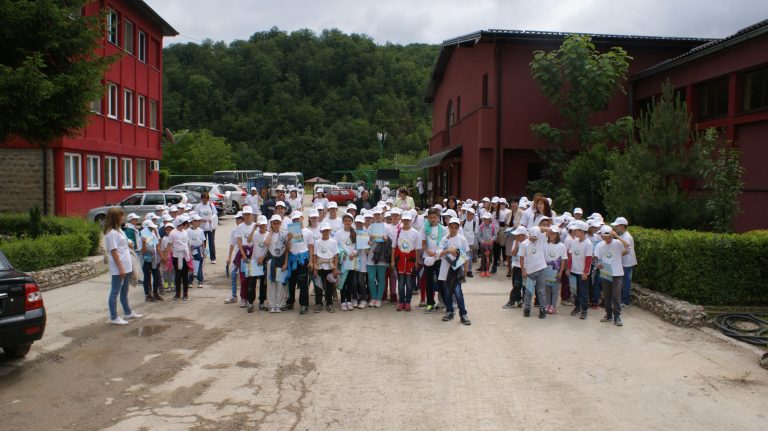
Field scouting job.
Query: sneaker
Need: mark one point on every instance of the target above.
(575, 311)
(159, 297)
(279, 309)
(400, 307)
(318, 308)
(250, 308)
(176, 297)
(407, 307)
(350, 307)
(362, 304)
(508, 305)
(465, 320)
(262, 307)
(552, 310)
(272, 309)
(583, 315)
(566, 303)
(118, 321)
(625, 305)
(149, 298)
(430, 309)
(213, 261)
(422, 304)
(329, 308)
(519, 304)
(606, 318)
(242, 303)
(527, 312)
(199, 284)
(448, 317)
(303, 310)
(133, 315)
(343, 306)
(230, 301)
(542, 313)
(184, 298)
(470, 275)
(378, 304)
(617, 321)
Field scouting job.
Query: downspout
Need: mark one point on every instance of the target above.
(498, 116)
(45, 179)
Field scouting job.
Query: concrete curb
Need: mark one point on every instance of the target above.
(64, 275)
(675, 311)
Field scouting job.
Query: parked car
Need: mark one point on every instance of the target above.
(326, 187)
(347, 186)
(144, 202)
(22, 313)
(216, 196)
(234, 196)
(341, 196)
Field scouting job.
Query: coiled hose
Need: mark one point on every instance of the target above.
(731, 324)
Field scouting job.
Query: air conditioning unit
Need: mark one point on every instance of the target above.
(154, 165)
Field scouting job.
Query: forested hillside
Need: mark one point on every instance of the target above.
(288, 101)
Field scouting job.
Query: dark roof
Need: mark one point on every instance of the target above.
(517, 36)
(154, 17)
(740, 36)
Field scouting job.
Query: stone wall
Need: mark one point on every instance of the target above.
(21, 176)
(52, 278)
(675, 311)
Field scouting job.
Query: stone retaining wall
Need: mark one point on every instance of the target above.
(675, 311)
(52, 278)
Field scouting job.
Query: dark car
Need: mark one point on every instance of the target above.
(22, 314)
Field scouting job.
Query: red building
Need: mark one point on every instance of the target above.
(118, 152)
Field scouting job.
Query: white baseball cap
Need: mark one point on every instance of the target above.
(178, 221)
(173, 208)
(397, 211)
(452, 213)
(247, 210)
(167, 218)
(319, 207)
(296, 214)
(133, 216)
(487, 215)
(348, 215)
(377, 210)
(555, 229)
(325, 226)
(313, 213)
(594, 223)
(485, 199)
(261, 220)
(239, 215)
(254, 189)
(149, 224)
(578, 211)
(359, 219)
(351, 207)
(454, 220)
(470, 210)
(368, 214)
(276, 217)
(595, 215)
(620, 221)
(332, 205)
(534, 232)
(159, 208)
(196, 217)
(319, 190)
(168, 224)
(520, 230)
(495, 200)
(280, 204)
(605, 230)
(406, 216)
(580, 225)
(387, 214)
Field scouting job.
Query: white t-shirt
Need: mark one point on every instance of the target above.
(206, 213)
(344, 240)
(116, 240)
(301, 247)
(611, 254)
(470, 230)
(295, 203)
(254, 201)
(243, 231)
(458, 242)
(259, 246)
(321, 201)
(179, 243)
(436, 233)
(336, 224)
(407, 241)
(326, 249)
(196, 237)
(233, 236)
(629, 259)
(385, 193)
(579, 251)
(277, 243)
(553, 252)
(533, 252)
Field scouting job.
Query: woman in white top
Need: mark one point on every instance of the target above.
(346, 238)
(180, 254)
(120, 266)
(209, 223)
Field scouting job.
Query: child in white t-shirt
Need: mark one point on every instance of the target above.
(520, 234)
(609, 253)
(406, 249)
(324, 263)
(556, 258)
(533, 264)
(452, 248)
(580, 252)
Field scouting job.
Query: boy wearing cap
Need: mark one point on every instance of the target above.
(299, 265)
(235, 268)
(519, 234)
(333, 219)
(257, 242)
(324, 263)
(469, 228)
(486, 236)
(431, 237)
(533, 264)
(406, 249)
(150, 253)
(450, 249)
(320, 198)
(628, 260)
(181, 254)
(580, 251)
(278, 243)
(609, 253)
(253, 200)
(244, 250)
(294, 200)
(197, 243)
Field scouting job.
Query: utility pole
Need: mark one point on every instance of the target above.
(381, 136)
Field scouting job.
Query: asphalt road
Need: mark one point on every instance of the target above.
(207, 365)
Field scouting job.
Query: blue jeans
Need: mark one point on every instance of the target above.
(448, 298)
(235, 276)
(582, 293)
(119, 287)
(152, 280)
(626, 285)
(405, 284)
(596, 286)
(210, 239)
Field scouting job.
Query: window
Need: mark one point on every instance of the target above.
(754, 89)
(172, 199)
(449, 114)
(140, 102)
(94, 172)
(110, 173)
(141, 174)
(112, 100)
(95, 106)
(713, 98)
(485, 89)
(154, 199)
(112, 24)
(154, 53)
(142, 47)
(128, 37)
(132, 200)
(153, 114)
(128, 105)
(72, 172)
(127, 173)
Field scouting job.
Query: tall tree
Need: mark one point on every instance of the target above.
(197, 152)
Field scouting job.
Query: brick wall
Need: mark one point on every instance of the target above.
(21, 179)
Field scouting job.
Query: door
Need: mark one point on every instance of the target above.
(131, 204)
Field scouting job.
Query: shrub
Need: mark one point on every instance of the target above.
(704, 268)
(20, 226)
(33, 254)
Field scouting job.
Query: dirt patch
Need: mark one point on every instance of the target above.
(99, 375)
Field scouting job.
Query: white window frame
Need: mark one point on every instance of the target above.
(75, 172)
(113, 27)
(111, 174)
(94, 178)
(128, 40)
(127, 171)
(142, 48)
(113, 96)
(141, 110)
(127, 105)
(141, 173)
(153, 106)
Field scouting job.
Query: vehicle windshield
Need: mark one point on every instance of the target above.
(287, 180)
(225, 177)
(4, 264)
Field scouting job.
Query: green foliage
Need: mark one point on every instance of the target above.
(165, 179)
(301, 101)
(197, 153)
(652, 181)
(34, 254)
(584, 178)
(35, 222)
(703, 268)
(49, 70)
(19, 226)
(580, 81)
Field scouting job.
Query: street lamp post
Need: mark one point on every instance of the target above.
(381, 136)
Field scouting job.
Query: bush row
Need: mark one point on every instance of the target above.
(704, 268)
(34, 254)
(19, 226)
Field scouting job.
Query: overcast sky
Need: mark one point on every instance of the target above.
(432, 21)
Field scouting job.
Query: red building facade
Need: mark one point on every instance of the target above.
(119, 150)
(484, 101)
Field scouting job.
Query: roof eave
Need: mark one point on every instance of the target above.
(167, 29)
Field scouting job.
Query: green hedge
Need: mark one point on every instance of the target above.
(33, 254)
(704, 268)
(18, 226)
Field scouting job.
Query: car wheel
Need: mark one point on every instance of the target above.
(235, 207)
(17, 351)
(100, 219)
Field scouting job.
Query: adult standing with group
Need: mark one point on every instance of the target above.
(120, 266)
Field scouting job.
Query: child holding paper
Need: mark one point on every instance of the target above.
(278, 243)
(609, 253)
(579, 265)
(257, 241)
(556, 258)
(346, 238)
(363, 244)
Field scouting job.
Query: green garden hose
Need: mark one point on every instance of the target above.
(735, 326)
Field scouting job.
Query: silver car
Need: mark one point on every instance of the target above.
(234, 196)
(216, 196)
(144, 202)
